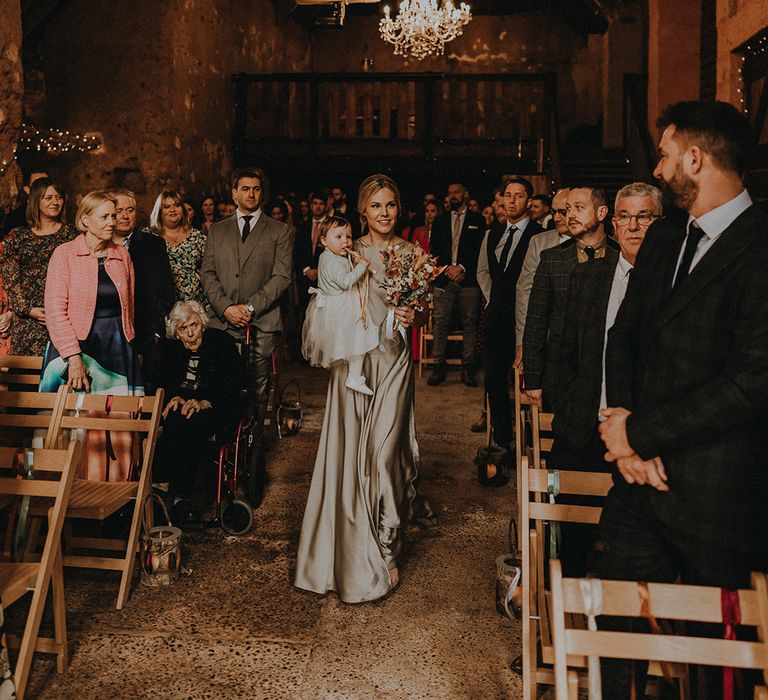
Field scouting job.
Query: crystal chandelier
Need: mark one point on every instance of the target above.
(422, 28)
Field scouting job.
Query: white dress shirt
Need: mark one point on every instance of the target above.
(254, 218)
(520, 227)
(618, 291)
(713, 223)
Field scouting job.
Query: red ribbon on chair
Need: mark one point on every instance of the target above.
(729, 601)
(108, 442)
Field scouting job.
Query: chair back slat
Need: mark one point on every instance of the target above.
(42, 460)
(571, 482)
(27, 411)
(565, 513)
(660, 647)
(702, 603)
(39, 400)
(98, 402)
(21, 362)
(88, 423)
(29, 487)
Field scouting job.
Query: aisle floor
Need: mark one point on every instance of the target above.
(237, 628)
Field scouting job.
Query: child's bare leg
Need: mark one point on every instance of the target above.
(355, 378)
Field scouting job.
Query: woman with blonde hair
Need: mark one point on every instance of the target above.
(185, 244)
(89, 312)
(26, 252)
(363, 488)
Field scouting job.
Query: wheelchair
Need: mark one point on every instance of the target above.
(240, 460)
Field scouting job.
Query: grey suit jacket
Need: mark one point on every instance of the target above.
(256, 272)
(541, 241)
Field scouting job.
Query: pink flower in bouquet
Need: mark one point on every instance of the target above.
(408, 276)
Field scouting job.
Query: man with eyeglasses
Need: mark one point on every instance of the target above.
(577, 377)
(154, 289)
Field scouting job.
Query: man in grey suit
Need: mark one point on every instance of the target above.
(246, 268)
(541, 241)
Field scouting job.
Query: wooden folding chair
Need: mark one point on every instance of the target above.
(54, 473)
(592, 597)
(97, 500)
(427, 338)
(20, 373)
(23, 412)
(537, 511)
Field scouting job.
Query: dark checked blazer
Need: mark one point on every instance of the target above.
(544, 320)
(472, 233)
(693, 369)
(576, 376)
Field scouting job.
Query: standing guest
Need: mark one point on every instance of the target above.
(687, 374)
(207, 214)
(541, 210)
(24, 264)
(540, 242)
(185, 245)
(278, 210)
(221, 210)
(246, 269)
(340, 207)
(229, 209)
(586, 210)
(489, 216)
(456, 240)
(154, 286)
(194, 218)
(304, 212)
(498, 269)
(200, 370)
(89, 310)
(474, 206)
(594, 296)
(17, 217)
(364, 485)
(422, 235)
(308, 247)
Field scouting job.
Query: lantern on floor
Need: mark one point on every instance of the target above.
(289, 415)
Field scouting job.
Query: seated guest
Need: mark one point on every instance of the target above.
(89, 312)
(586, 210)
(201, 372)
(594, 296)
(185, 245)
(541, 210)
(154, 286)
(24, 264)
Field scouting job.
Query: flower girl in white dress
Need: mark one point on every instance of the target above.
(335, 329)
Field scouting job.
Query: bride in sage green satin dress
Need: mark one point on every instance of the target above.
(363, 488)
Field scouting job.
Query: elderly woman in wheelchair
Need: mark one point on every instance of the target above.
(202, 374)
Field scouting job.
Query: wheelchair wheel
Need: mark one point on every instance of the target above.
(236, 517)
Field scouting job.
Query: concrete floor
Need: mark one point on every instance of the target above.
(237, 628)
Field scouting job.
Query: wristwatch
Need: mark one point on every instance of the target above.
(250, 308)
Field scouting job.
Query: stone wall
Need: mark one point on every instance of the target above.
(11, 89)
(154, 80)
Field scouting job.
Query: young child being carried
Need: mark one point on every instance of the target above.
(335, 329)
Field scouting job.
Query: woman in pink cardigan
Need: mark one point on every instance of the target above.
(89, 314)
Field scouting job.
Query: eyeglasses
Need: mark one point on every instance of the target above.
(560, 212)
(642, 219)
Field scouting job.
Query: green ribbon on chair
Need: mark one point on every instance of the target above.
(20, 540)
(553, 490)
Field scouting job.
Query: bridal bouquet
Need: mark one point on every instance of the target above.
(408, 276)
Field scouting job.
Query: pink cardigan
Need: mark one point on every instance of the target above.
(70, 292)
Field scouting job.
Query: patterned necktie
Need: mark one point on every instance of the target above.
(590, 251)
(456, 235)
(507, 247)
(691, 243)
(246, 227)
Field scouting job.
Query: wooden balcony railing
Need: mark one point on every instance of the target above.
(421, 116)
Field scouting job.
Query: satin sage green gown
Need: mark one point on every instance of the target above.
(363, 489)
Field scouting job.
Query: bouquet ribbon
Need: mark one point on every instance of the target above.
(389, 332)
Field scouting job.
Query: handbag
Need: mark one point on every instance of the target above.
(160, 549)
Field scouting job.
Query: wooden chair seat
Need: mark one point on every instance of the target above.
(16, 580)
(96, 500)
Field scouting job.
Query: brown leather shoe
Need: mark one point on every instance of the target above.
(437, 376)
(468, 377)
(481, 424)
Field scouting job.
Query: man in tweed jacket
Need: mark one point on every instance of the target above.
(687, 370)
(586, 211)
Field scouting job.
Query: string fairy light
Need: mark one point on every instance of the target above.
(757, 46)
(51, 141)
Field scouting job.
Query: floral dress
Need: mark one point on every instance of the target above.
(23, 267)
(185, 259)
